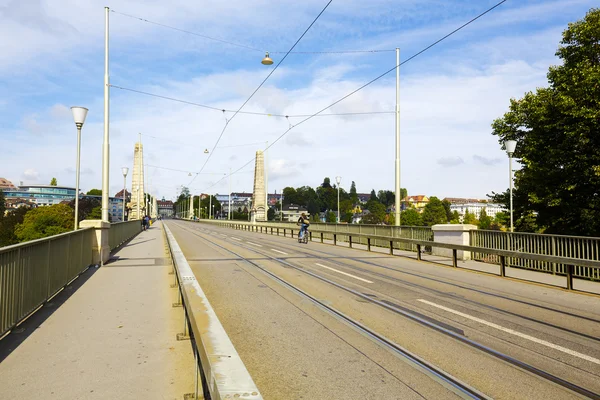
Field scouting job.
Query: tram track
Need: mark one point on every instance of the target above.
(403, 312)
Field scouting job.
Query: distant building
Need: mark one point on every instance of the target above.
(460, 200)
(291, 212)
(165, 208)
(363, 197)
(491, 209)
(12, 204)
(417, 202)
(5, 184)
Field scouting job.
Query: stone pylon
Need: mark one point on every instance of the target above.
(137, 183)
(154, 207)
(258, 196)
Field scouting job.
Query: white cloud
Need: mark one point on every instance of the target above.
(450, 161)
(31, 174)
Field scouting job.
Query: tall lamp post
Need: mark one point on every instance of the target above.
(125, 170)
(397, 200)
(79, 114)
(510, 146)
(338, 180)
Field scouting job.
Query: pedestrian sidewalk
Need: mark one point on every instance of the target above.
(113, 336)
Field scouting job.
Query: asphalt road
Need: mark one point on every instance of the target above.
(460, 321)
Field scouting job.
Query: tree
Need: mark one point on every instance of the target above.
(94, 192)
(8, 224)
(271, 214)
(447, 205)
(86, 207)
(373, 196)
(326, 183)
(376, 212)
(96, 213)
(386, 197)
(47, 221)
(434, 212)
(53, 182)
(485, 221)
(556, 129)
(411, 217)
(469, 218)
(455, 217)
(353, 194)
(330, 217)
(290, 196)
(2, 204)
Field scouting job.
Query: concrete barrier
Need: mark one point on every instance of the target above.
(225, 373)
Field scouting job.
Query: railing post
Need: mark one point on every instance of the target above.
(570, 276)
(502, 266)
(283, 232)
(334, 239)
(350, 241)
(419, 252)
(321, 237)
(277, 231)
(368, 244)
(391, 247)
(310, 236)
(454, 258)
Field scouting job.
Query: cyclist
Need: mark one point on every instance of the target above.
(304, 223)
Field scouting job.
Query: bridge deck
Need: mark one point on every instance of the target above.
(110, 335)
(294, 348)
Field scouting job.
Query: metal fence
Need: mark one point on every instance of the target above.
(587, 248)
(120, 232)
(33, 272)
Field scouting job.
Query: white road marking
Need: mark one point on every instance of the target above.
(513, 332)
(280, 252)
(234, 238)
(344, 273)
(255, 244)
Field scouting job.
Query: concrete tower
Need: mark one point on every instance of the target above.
(259, 211)
(137, 183)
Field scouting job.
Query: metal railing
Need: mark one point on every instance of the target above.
(120, 232)
(33, 272)
(579, 247)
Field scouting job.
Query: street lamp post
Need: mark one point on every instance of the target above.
(510, 146)
(105, 144)
(79, 114)
(397, 200)
(125, 171)
(338, 180)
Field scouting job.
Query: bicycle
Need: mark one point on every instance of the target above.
(303, 235)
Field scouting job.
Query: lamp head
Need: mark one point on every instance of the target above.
(79, 114)
(205, 151)
(338, 180)
(267, 60)
(125, 171)
(510, 146)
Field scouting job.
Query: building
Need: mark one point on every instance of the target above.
(363, 197)
(47, 195)
(291, 212)
(417, 202)
(491, 209)
(165, 208)
(5, 184)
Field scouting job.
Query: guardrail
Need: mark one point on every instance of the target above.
(31, 273)
(555, 245)
(502, 255)
(224, 374)
(120, 232)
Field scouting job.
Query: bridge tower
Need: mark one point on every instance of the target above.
(137, 183)
(259, 209)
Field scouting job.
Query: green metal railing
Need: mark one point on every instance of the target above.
(587, 248)
(120, 232)
(33, 272)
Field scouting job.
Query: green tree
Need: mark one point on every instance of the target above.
(556, 129)
(290, 196)
(326, 183)
(94, 192)
(469, 218)
(376, 212)
(386, 197)
(485, 221)
(353, 194)
(447, 205)
(330, 217)
(373, 196)
(411, 217)
(270, 214)
(2, 204)
(8, 224)
(455, 217)
(96, 213)
(434, 212)
(47, 221)
(86, 207)
(53, 182)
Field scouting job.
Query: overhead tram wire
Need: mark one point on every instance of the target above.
(241, 45)
(266, 114)
(369, 83)
(261, 84)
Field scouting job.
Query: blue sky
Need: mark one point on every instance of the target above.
(53, 58)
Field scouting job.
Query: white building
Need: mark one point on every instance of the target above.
(491, 209)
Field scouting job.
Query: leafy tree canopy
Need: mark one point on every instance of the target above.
(94, 192)
(2, 204)
(485, 221)
(8, 224)
(558, 141)
(411, 217)
(47, 221)
(434, 212)
(53, 182)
